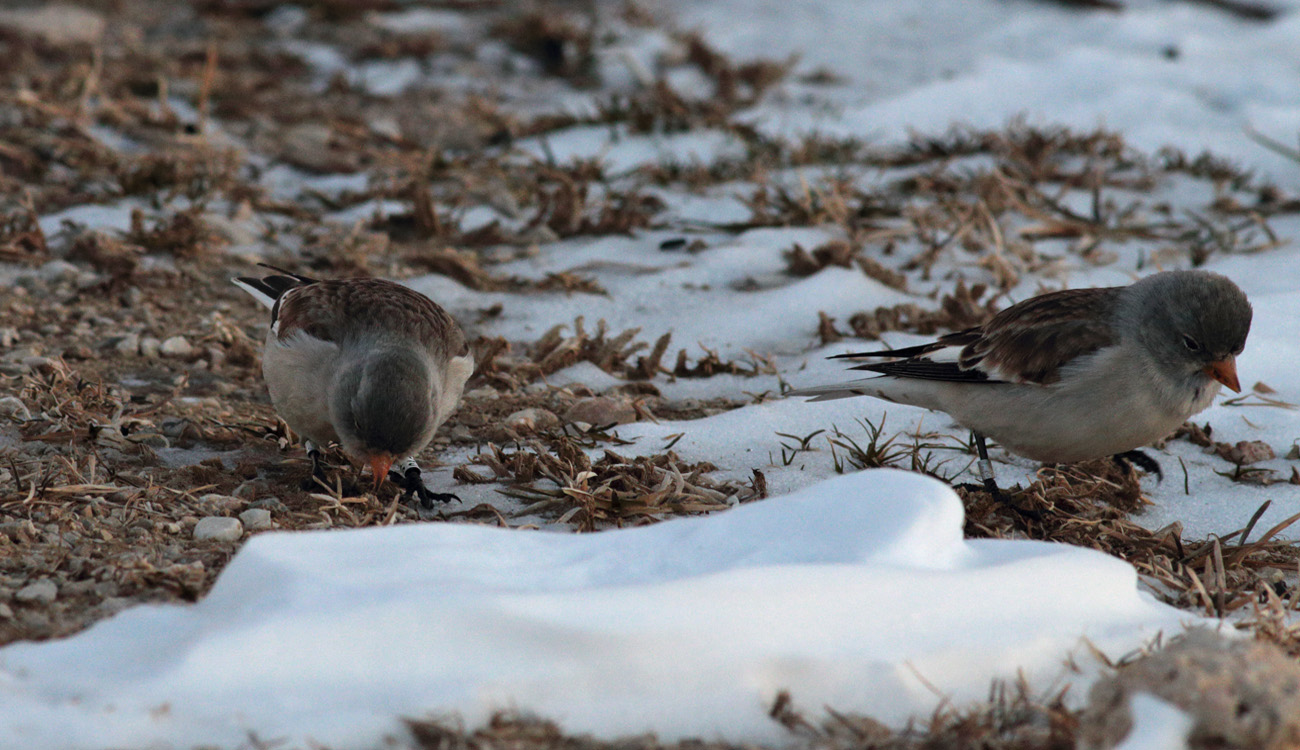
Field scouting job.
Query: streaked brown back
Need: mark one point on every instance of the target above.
(338, 309)
(1031, 341)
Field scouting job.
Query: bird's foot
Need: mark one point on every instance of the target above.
(1141, 460)
(1003, 499)
(412, 484)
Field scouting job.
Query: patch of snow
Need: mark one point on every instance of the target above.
(1157, 725)
(115, 216)
(417, 20)
(686, 628)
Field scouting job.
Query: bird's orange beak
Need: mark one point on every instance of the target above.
(379, 464)
(1225, 371)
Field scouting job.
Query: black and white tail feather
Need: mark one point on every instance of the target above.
(270, 290)
(938, 360)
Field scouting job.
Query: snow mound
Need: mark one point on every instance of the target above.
(858, 593)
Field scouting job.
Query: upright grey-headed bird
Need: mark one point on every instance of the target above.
(1076, 374)
(365, 363)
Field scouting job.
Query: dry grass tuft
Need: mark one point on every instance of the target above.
(611, 491)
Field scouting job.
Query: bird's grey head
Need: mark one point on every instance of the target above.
(1194, 323)
(383, 403)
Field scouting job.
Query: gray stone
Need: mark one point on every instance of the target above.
(110, 437)
(151, 439)
(128, 344)
(177, 347)
(248, 490)
(273, 504)
(256, 519)
(150, 347)
(532, 420)
(41, 592)
(19, 531)
(42, 365)
(12, 407)
(5, 612)
(601, 411)
(218, 503)
(58, 270)
(219, 529)
(285, 20)
(59, 24)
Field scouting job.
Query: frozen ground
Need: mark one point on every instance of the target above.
(856, 592)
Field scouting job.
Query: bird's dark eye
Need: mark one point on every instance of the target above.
(1191, 344)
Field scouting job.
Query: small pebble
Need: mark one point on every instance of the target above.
(218, 529)
(246, 490)
(17, 531)
(219, 503)
(1246, 452)
(256, 519)
(176, 346)
(602, 411)
(111, 438)
(5, 612)
(12, 407)
(174, 427)
(531, 420)
(8, 337)
(150, 347)
(151, 439)
(58, 270)
(42, 592)
(128, 344)
(273, 504)
(43, 365)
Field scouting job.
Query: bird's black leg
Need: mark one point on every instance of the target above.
(317, 477)
(985, 468)
(1142, 461)
(408, 476)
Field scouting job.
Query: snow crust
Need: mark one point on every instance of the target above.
(857, 593)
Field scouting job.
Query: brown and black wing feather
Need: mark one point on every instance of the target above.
(337, 309)
(1028, 342)
(275, 287)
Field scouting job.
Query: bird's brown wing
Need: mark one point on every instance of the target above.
(1028, 342)
(1031, 341)
(340, 309)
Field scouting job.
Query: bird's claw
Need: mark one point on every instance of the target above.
(1142, 461)
(413, 486)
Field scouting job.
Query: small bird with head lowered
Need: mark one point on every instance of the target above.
(365, 363)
